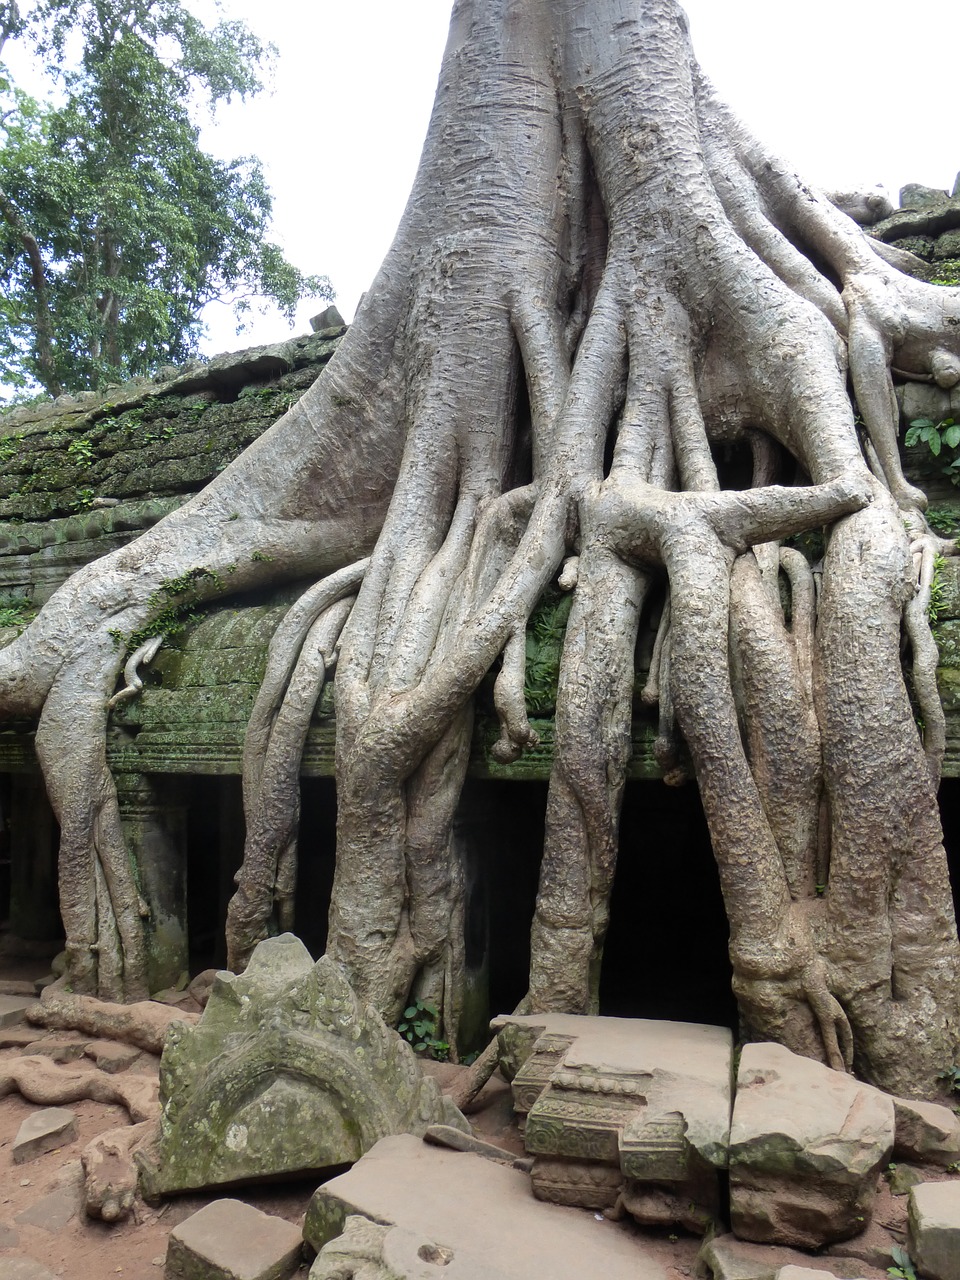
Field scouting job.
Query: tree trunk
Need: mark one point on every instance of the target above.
(590, 225)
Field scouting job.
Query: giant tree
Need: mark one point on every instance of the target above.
(601, 283)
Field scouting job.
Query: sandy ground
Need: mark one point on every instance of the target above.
(42, 1218)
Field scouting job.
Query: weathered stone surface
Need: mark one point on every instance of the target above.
(45, 1130)
(13, 1009)
(25, 1269)
(286, 1072)
(803, 1273)
(56, 1050)
(111, 1056)
(806, 1147)
(727, 1258)
(623, 1110)
(434, 1196)
(8, 1237)
(934, 1230)
(901, 1177)
(230, 1240)
(925, 1132)
(378, 1252)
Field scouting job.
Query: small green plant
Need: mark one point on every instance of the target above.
(938, 593)
(174, 602)
(262, 556)
(83, 501)
(937, 436)
(15, 611)
(902, 1268)
(419, 1029)
(81, 451)
(952, 1076)
(942, 521)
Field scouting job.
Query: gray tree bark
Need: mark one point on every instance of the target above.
(589, 223)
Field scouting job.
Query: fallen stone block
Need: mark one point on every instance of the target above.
(806, 1147)
(625, 1112)
(433, 1196)
(25, 1269)
(56, 1050)
(727, 1258)
(17, 1037)
(926, 1133)
(111, 1056)
(45, 1130)
(286, 1072)
(934, 1229)
(803, 1273)
(54, 1210)
(230, 1240)
(17, 987)
(13, 1009)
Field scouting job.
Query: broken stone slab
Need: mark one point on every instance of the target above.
(806, 1147)
(62, 1051)
(54, 1210)
(625, 1112)
(286, 1072)
(934, 1229)
(727, 1258)
(25, 1269)
(375, 1252)
(45, 1130)
(13, 1009)
(925, 1132)
(434, 1195)
(803, 1273)
(230, 1240)
(111, 1056)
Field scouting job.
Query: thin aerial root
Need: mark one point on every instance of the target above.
(651, 690)
(916, 617)
(803, 608)
(508, 696)
(133, 684)
(666, 748)
(268, 874)
(831, 1019)
(281, 659)
(569, 573)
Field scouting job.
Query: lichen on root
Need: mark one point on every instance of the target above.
(600, 284)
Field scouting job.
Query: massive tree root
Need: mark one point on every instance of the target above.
(602, 287)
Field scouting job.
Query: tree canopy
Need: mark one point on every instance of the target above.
(116, 227)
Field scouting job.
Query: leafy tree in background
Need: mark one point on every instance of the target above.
(116, 228)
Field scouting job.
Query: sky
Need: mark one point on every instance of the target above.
(852, 100)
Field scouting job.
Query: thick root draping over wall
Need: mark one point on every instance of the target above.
(601, 289)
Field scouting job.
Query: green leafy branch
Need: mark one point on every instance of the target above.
(419, 1028)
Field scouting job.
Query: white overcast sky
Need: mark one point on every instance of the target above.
(850, 97)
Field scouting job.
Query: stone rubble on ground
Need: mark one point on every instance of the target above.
(112, 1056)
(62, 1051)
(806, 1147)
(230, 1240)
(25, 1269)
(44, 1130)
(469, 1211)
(926, 1132)
(13, 1009)
(286, 1072)
(54, 1210)
(724, 1257)
(622, 1113)
(934, 1230)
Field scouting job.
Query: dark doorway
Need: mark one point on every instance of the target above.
(666, 950)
